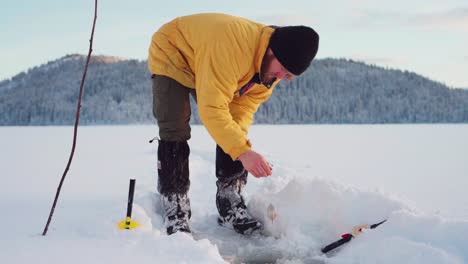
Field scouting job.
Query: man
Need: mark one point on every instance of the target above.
(230, 65)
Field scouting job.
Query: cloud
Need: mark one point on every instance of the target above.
(455, 19)
(364, 15)
(285, 19)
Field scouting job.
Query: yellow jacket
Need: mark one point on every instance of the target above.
(217, 55)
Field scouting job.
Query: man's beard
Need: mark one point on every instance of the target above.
(266, 77)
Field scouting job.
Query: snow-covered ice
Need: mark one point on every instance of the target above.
(326, 179)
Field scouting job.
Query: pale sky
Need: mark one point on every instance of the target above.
(429, 37)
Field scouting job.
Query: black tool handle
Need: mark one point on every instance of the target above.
(131, 192)
(337, 243)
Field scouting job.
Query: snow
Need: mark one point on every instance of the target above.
(326, 179)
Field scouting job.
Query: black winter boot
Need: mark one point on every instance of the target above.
(232, 178)
(173, 184)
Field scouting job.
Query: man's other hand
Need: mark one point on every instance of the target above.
(255, 164)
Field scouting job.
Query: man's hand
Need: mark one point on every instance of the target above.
(255, 164)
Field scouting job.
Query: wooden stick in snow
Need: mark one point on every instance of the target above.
(77, 120)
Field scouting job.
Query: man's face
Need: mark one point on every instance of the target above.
(272, 69)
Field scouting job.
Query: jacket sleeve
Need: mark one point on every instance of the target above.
(244, 107)
(217, 73)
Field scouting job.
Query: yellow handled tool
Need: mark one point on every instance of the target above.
(128, 223)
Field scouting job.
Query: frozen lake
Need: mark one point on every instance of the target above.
(423, 167)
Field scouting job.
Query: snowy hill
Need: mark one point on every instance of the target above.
(118, 91)
(326, 179)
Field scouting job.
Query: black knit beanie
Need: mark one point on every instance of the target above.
(295, 47)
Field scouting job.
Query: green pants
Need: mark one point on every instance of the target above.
(171, 108)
